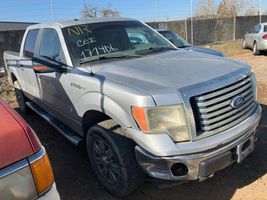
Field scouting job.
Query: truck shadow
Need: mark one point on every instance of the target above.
(75, 178)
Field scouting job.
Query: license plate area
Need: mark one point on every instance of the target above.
(214, 164)
(244, 149)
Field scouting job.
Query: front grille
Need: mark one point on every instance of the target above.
(213, 112)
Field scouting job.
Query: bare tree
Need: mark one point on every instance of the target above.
(251, 11)
(89, 11)
(235, 8)
(206, 9)
(109, 12)
(225, 8)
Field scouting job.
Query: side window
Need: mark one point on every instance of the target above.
(50, 46)
(257, 28)
(265, 28)
(30, 43)
(136, 36)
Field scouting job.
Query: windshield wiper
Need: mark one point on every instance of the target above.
(155, 49)
(184, 46)
(106, 57)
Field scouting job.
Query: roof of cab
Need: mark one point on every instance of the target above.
(67, 23)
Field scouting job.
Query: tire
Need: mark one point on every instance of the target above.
(21, 99)
(112, 158)
(255, 49)
(244, 44)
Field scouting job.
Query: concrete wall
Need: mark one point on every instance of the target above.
(212, 30)
(10, 40)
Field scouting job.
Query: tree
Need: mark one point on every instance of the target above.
(109, 12)
(251, 11)
(89, 11)
(225, 8)
(206, 9)
(235, 8)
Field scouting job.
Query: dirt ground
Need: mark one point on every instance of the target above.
(246, 181)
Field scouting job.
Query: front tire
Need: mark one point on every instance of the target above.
(21, 99)
(255, 49)
(113, 159)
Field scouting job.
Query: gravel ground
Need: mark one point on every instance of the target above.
(75, 179)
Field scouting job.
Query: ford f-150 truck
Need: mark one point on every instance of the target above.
(143, 108)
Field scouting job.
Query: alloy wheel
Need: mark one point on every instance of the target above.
(106, 161)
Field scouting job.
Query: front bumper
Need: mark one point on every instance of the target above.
(197, 166)
(52, 194)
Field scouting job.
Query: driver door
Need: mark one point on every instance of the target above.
(53, 83)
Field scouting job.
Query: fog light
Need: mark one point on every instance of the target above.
(179, 169)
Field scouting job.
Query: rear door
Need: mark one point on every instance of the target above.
(30, 84)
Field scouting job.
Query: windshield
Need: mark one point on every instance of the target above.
(175, 39)
(95, 41)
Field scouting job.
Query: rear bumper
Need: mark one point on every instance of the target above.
(201, 165)
(262, 45)
(52, 194)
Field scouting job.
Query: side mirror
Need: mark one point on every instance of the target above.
(43, 66)
(42, 69)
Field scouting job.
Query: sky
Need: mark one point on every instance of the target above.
(146, 10)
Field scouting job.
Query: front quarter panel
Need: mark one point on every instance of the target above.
(115, 100)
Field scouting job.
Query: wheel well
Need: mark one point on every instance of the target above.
(91, 118)
(13, 78)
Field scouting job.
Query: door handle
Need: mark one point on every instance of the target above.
(21, 65)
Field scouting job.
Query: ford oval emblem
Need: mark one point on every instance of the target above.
(237, 101)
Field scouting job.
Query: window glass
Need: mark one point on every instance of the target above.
(50, 46)
(137, 35)
(265, 28)
(90, 42)
(175, 39)
(30, 43)
(257, 28)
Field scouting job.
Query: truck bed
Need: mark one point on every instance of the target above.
(10, 59)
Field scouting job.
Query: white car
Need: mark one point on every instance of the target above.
(256, 39)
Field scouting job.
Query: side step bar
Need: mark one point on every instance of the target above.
(69, 134)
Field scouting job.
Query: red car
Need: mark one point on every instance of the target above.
(25, 170)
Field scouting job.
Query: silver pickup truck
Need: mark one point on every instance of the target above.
(142, 107)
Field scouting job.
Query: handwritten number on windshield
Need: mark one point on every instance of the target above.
(103, 49)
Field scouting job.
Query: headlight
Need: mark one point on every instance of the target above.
(166, 119)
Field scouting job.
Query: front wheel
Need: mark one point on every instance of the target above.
(21, 99)
(112, 158)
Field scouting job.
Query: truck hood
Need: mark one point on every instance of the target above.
(205, 50)
(172, 69)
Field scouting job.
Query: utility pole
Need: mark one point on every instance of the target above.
(52, 9)
(192, 26)
(157, 5)
(260, 10)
